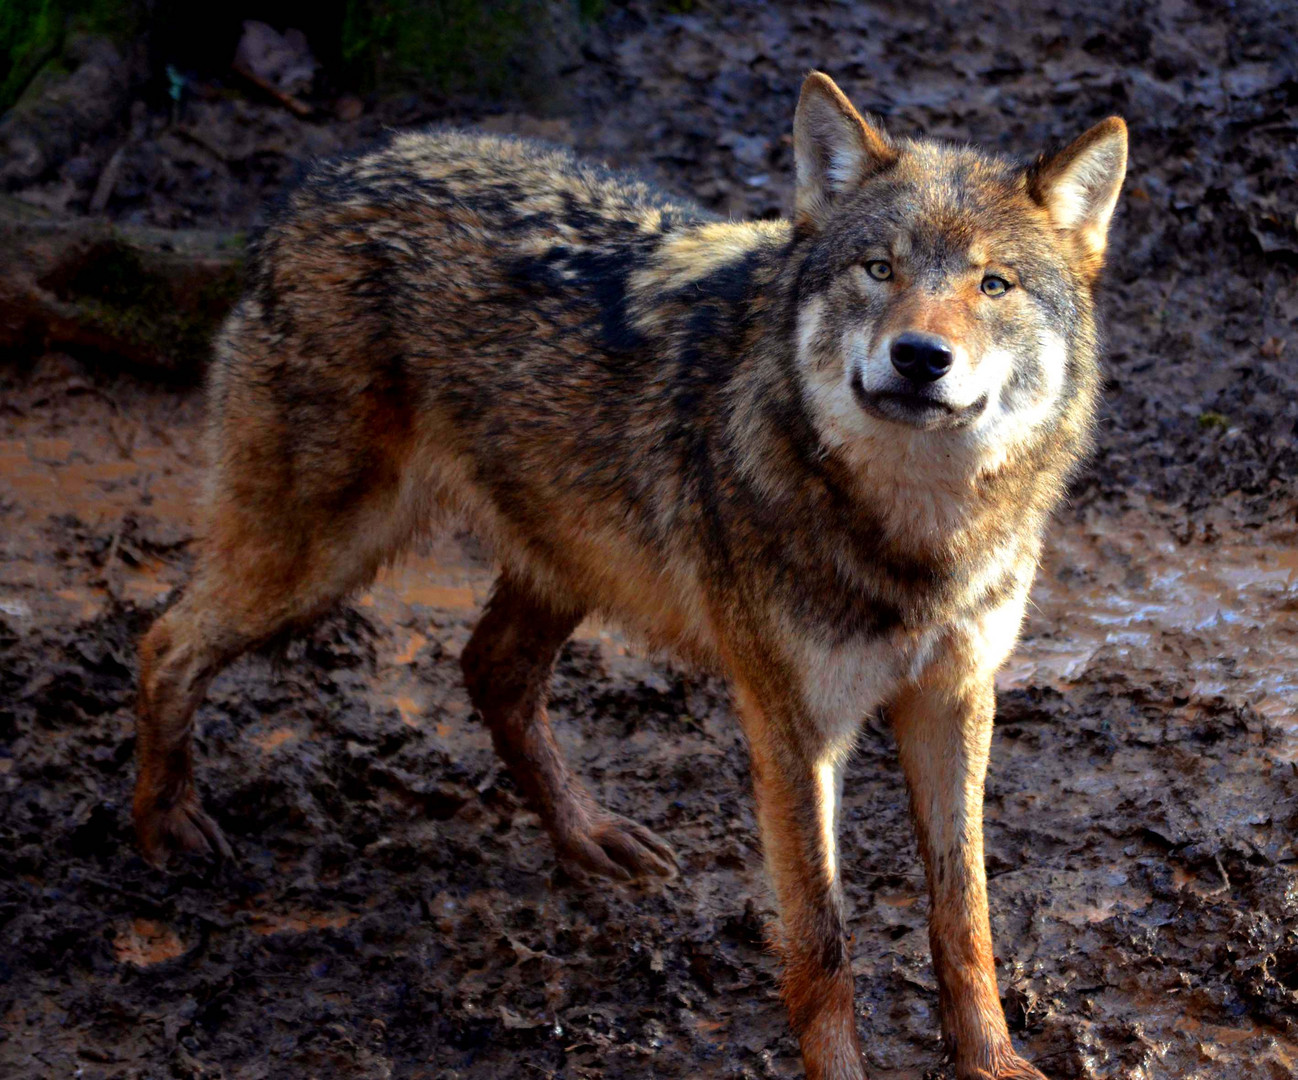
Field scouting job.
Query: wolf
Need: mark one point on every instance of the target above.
(817, 456)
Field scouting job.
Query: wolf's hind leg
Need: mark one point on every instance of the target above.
(262, 571)
(507, 667)
(222, 616)
(179, 656)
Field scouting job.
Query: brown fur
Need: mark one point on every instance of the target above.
(690, 426)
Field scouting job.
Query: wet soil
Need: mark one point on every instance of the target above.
(395, 911)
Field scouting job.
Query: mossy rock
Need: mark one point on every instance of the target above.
(150, 305)
(150, 297)
(72, 99)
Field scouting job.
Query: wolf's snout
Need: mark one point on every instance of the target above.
(921, 358)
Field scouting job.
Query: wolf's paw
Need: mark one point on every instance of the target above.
(1019, 1070)
(1010, 1068)
(609, 845)
(183, 827)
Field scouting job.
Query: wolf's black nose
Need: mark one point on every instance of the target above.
(921, 358)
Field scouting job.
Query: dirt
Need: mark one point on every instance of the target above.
(394, 911)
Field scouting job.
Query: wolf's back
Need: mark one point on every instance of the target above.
(455, 188)
(546, 329)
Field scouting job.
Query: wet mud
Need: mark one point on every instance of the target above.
(396, 912)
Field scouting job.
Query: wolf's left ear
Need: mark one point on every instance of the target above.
(1079, 186)
(834, 149)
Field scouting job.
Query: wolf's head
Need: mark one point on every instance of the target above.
(945, 292)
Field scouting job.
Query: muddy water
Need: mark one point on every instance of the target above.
(1221, 610)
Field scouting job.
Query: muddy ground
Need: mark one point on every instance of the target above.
(395, 912)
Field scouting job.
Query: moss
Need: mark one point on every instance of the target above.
(482, 46)
(1213, 421)
(219, 295)
(31, 32)
(118, 20)
(492, 47)
(157, 313)
(443, 44)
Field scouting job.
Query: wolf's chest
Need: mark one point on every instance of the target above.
(844, 683)
(845, 680)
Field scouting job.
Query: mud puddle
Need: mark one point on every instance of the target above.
(1221, 611)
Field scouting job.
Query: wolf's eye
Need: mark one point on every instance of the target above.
(995, 286)
(879, 270)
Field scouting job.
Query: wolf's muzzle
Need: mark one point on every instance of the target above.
(911, 404)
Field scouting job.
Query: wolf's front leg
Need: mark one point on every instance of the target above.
(796, 774)
(944, 728)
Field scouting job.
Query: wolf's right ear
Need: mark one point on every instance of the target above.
(834, 150)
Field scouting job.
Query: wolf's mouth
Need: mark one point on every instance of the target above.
(915, 408)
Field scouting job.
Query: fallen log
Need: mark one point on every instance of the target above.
(151, 297)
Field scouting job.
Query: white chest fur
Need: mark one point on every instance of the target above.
(843, 683)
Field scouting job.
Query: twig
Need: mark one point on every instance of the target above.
(110, 558)
(296, 105)
(125, 444)
(108, 180)
(127, 894)
(1225, 886)
(200, 140)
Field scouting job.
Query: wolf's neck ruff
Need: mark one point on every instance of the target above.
(911, 525)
